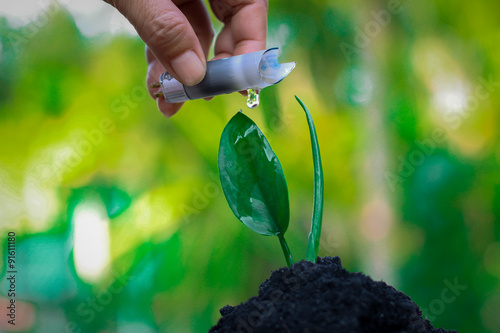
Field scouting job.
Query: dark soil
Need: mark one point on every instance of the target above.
(324, 297)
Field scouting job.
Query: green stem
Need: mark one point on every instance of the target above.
(317, 217)
(286, 250)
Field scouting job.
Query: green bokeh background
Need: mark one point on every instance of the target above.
(406, 108)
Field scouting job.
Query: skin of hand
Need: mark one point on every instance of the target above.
(178, 35)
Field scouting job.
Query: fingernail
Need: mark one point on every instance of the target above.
(188, 68)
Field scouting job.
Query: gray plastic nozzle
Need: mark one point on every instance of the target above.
(224, 76)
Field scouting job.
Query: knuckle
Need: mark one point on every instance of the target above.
(168, 31)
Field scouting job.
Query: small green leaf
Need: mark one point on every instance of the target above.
(317, 217)
(252, 178)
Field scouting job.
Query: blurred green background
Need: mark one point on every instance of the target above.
(120, 221)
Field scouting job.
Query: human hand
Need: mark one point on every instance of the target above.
(178, 35)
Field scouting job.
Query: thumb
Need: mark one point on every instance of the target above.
(169, 35)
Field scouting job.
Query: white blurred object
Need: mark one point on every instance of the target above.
(91, 250)
(93, 17)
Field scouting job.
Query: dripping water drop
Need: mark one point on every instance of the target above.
(253, 98)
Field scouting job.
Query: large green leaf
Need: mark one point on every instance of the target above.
(252, 178)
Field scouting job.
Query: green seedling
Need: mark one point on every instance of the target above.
(254, 184)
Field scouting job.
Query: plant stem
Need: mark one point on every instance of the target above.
(317, 217)
(286, 250)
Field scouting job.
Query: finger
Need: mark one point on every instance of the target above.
(168, 109)
(224, 45)
(245, 26)
(169, 35)
(155, 69)
(197, 14)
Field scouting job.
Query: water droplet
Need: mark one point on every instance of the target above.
(253, 98)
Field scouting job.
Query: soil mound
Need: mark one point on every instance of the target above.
(324, 297)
